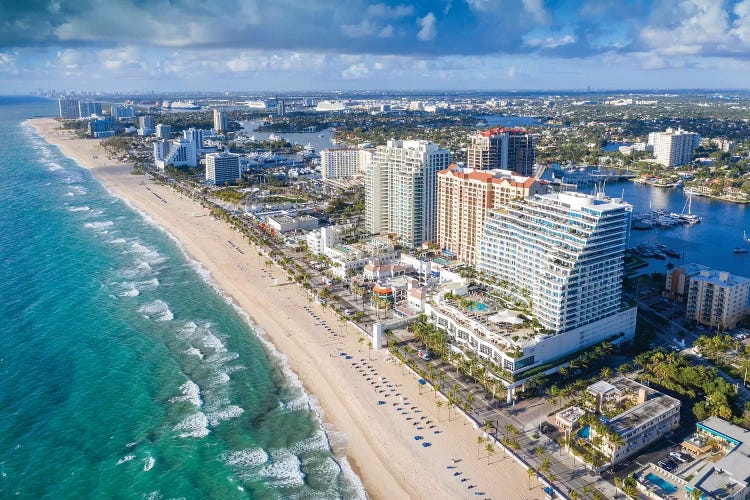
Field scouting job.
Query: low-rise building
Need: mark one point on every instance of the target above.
(354, 257)
(629, 417)
(728, 477)
(718, 299)
(285, 223)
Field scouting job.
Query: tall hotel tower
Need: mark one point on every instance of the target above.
(564, 252)
(503, 148)
(465, 197)
(401, 190)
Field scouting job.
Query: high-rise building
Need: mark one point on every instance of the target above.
(673, 147)
(177, 153)
(401, 190)
(718, 299)
(222, 167)
(163, 131)
(465, 196)
(220, 121)
(563, 253)
(101, 128)
(68, 108)
(194, 135)
(89, 108)
(120, 112)
(146, 125)
(503, 148)
(342, 162)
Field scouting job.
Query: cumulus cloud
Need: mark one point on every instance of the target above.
(355, 71)
(383, 11)
(427, 29)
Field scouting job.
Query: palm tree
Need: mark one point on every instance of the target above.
(618, 485)
(451, 404)
(606, 373)
(439, 403)
(531, 473)
(480, 442)
(490, 451)
(544, 466)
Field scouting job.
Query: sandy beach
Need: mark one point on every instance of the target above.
(377, 439)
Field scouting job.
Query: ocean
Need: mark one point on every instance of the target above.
(124, 372)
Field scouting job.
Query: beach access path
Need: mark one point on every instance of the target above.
(377, 438)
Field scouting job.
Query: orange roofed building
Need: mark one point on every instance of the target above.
(465, 195)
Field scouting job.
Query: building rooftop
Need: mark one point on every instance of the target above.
(720, 278)
(655, 405)
(602, 387)
(731, 473)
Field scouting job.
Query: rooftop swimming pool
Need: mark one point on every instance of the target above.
(661, 483)
(478, 307)
(584, 432)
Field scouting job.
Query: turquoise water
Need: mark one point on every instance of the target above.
(584, 432)
(124, 374)
(478, 307)
(661, 483)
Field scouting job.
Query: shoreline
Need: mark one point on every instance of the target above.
(376, 440)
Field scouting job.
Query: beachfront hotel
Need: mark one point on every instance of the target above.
(465, 197)
(177, 153)
(68, 108)
(503, 148)
(637, 414)
(222, 167)
(401, 190)
(717, 298)
(560, 254)
(722, 465)
(564, 252)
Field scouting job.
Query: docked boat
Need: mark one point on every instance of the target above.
(740, 250)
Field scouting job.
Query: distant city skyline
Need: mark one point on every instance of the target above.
(317, 45)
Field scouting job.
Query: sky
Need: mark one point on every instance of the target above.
(281, 45)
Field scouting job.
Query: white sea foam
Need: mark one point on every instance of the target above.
(300, 403)
(150, 256)
(318, 441)
(194, 352)
(53, 167)
(131, 291)
(195, 426)
(118, 241)
(70, 193)
(189, 392)
(356, 488)
(284, 470)
(246, 458)
(158, 310)
(226, 413)
(220, 379)
(221, 358)
(139, 269)
(148, 463)
(99, 226)
(211, 341)
(147, 284)
(79, 209)
(126, 458)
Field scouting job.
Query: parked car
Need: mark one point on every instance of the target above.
(424, 354)
(677, 456)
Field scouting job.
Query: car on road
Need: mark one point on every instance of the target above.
(424, 354)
